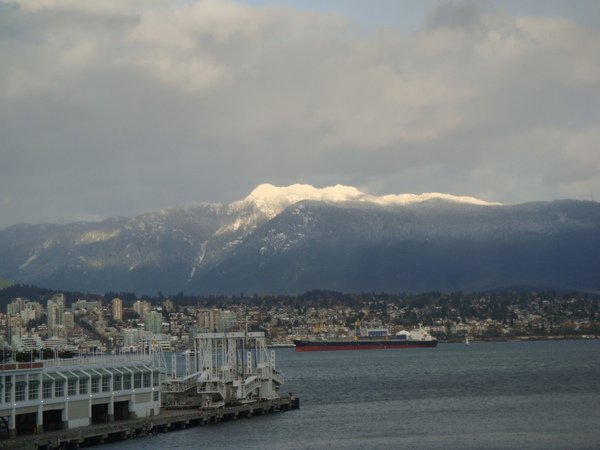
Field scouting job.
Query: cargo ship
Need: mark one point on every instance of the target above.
(370, 339)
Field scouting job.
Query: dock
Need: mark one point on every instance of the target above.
(168, 420)
(73, 402)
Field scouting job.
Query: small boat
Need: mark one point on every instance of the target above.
(467, 340)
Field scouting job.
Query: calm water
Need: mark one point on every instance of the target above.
(494, 395)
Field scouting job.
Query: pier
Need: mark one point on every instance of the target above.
(85, 401)
(167, 420)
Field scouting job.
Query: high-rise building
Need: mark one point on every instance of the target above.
(117, 309)
(68, 321)
(226, 321)
(216, 320)
(34, 309)
(131, 337)
(14, 327)
(153, 322)
(56, 309)
(16, 306)
(141, 307)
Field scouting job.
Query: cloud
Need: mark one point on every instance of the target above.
(466, 15)
(124, 106)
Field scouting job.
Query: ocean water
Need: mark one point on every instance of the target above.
(522, 395)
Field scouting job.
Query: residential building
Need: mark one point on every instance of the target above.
(117, 309)
(153, 322)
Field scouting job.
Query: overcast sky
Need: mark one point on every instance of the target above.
(120, 107)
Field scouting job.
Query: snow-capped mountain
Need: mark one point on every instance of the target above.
(294, 238)
(272, 200)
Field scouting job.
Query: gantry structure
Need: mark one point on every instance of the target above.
(225, 369)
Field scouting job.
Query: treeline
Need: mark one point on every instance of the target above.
(465, 302)
(39, 294)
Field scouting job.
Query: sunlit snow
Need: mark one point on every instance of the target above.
(272, 200)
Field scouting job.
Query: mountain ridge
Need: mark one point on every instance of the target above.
(332, 238)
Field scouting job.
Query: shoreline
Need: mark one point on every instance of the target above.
(565, 337)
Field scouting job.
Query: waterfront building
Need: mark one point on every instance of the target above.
(55, 342)
(92, 347)
(161, 340)
(26, 342)
(70, 393)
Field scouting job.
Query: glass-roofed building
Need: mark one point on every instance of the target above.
(70, 393)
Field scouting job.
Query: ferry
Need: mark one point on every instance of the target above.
(370, 339)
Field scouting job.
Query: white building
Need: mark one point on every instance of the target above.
(70, 393)
(56, 309)
(117, 309)
(141, 307)
(16, 306)
(162, 340)
(26, 342)
(131, 337)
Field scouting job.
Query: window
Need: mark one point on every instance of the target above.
(7, 388)
(59, 388)
(47, 389)
(20, 391)
(156, 379)
(7, 393)
(155, 396)
(33, 389)
(137, 380)
(105, 384)
(95, 385)
(72, 387)
(83, 386)
(147, 380)
(116, 382)
(127, 382)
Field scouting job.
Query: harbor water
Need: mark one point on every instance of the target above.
(509, 395)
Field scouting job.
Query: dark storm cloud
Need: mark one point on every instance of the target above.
(113, 108)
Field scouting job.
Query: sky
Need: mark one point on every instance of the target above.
(119, 107)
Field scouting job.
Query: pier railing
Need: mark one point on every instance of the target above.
(96, 360)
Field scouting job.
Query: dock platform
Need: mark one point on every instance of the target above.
(167, 420)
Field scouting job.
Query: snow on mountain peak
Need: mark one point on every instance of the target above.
(271, 200)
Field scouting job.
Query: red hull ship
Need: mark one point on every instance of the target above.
(372, 340)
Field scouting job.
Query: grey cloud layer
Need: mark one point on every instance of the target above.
(118, 107)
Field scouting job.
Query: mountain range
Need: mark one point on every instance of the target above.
(295, 238)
